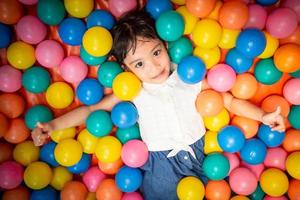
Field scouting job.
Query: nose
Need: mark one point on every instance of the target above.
(155, 65)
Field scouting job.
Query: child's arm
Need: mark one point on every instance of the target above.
(246, 109)
(73, 118)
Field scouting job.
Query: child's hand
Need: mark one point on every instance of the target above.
(275, 120)
(41, 133)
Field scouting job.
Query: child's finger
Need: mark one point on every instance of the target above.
(39, 125)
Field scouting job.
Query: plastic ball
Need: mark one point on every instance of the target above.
(124, 114)
(180, 49)
(254, 151)
(28, 2)
(216, 122)
(217, 190)
(132, 196)
(6, 35)
(209, 103)
(37, 175)
(238, 61)
(210, 57)
(73, 190)
(11, 11)
(291, 141)
(228, 38)
(119, 7)
(49, 53)
(10, 79)
(79, 8)
(11, 175)
(99, 123)
(87, 141)
(107, 72)
(269, 137)
(266, 72)
(276, 157)
(294, 116)
(47, 154)
(47, 193)
(126, 86)
(189, 19)
(60, 177)
(26, 153)
(231, 139)
(201, 8)
(17, 131)
(295, 74)
(294, 5)
(292, 165)
(3, 126)
(134, 153)
(157, 7)
(257, 194)
(36, 80)
(68, 152)
(190, 188)
(90, 91)
(267, 2)
(293, 191)
(128, 179)
(170, 26)
(215, 166)
(108, 149)
(271, 46)
(73, 69)
(286, 58)
(71, 31)
(245, 86)
(234, 160)
(248, 126)
(51, 12)
(257, 17)
(6, 151)
(110, 168)
(130, 133)
(82, 165)
(211, 142)
(108, 190)
(89, 59)
(255, 169)
(59, 95)
(61, 134)
(19, 193)
(291, 91)
(100, 18)
(92, 178)
(242, 181)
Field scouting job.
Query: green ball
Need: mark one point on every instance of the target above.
(294, 117)
(38, 113)
(216, 166)
(51, 12)
(126, 134)
(296, 74)
(179, 49)
(99, 123)
(36, 79)
(107, 73)
(170, 26)
(89, 59)
(258, 194)
(266, 72)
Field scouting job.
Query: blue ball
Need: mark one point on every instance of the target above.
(47, 193)
(156, 7)
(71, 31)
(266, 2)
(238, 61)
(90, 91)
(269, 137)
(124, 115)
(82, 166)
(47, 154)
(251, 42)
(6, 35)
(89, 59)
(99, 123)
(254, 151)
(128, 179)
(191, 70)
(100, 18)
(231, 139)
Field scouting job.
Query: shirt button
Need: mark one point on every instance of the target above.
(186, 157)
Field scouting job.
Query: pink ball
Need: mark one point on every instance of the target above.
(275, 198)
(11, 174)
(294, 5)
(257, 17)
(28, 2)
(233, 159)
(221, 77)
(242, 181)
(31, 30)
(92, 178)
(132, 196)
(10, 79)
(73, 69)
(291, 91)
(276, 157)
(120, 7)
(134, 153)
(255, 169)
(49, 53)
(282, 22)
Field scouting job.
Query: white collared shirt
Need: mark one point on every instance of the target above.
(168, 118)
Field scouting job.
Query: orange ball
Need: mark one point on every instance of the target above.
(6, 151)
(108, 190)
(209, 103)
(19, 193)
(110, 168)
(217, 190)
(3, 125)
(294, 38)
(270, 104)
(291, 141)
(248, 126)
(286, 58)
(12, 105)
(245, 86)
(17, 132)
(233, 15)
(200, 8)
(293, 191)
(10, 11)
(73, 190)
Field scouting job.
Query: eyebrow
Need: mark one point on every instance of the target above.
(150, 51)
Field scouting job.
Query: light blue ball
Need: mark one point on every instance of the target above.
(82, 165)
(90, 91)
(157, 7)
(254, 151)
(47, 154)
(191, 70)
(101, 18)
(71, 31)
(231, 139)
(124, 115)
(269, 137)
(238, 61)
(128, 179)
(6, 35)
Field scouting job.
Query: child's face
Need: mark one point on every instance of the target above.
(150, 62)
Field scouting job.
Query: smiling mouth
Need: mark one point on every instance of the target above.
(159, 75)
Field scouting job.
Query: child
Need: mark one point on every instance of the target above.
(169, 123)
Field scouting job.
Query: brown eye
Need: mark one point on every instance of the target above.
(157, 52)
(139, 64)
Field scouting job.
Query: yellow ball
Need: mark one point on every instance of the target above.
(211, 142)
(189, 19)
(209, 56)
(274, 182)
(215, 13)
(126, 86)
(271, 46)
(88, 141)
(20, 55)
(79, 8)
(228, 38)
(293, 165)
(178, 2)
(108, 149)
(239, 197)
(97, 41)
(190, 188)
(215, 123)
(91, 196)
(68, 152)
(37, 175)
(207, 33)
(61, 134)
(60, 176)
(26, 153)
(59, 95)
